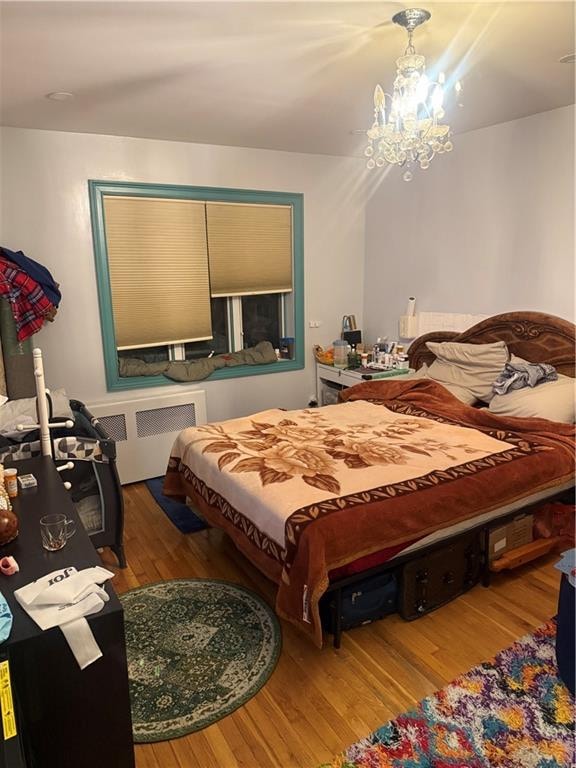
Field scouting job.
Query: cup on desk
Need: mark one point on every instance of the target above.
(55, 531)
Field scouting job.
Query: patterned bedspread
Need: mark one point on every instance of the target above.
(303, 492)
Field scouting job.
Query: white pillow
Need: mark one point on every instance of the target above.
(473, 367)
(552, 400)
(460, 392)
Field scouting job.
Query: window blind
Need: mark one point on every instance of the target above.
(250, 248)
(159, 277)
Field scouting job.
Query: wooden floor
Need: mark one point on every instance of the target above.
(318, 702)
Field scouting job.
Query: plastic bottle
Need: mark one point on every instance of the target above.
(11, 482)
(5, 502)
(376, 350)
(8, 519)
(340, 353)
(352, 357)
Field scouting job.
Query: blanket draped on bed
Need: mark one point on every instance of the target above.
(304, 492)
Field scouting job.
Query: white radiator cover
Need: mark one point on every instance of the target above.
(145, 429)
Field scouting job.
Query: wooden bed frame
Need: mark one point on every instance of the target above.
(537, 338)
(534, 336)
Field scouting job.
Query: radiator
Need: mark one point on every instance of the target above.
(145, 429)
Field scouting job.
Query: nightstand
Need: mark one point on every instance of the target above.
(330, 380)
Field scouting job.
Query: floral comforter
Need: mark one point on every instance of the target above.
(306, 491)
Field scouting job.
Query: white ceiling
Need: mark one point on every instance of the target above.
(296, 76)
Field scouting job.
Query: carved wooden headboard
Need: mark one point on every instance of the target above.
(534, 336)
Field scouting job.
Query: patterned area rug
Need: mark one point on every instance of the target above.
(511, 712)
(197, 650)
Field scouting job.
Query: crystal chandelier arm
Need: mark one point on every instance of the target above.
(380, 97)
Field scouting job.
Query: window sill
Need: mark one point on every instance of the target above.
(119, 384)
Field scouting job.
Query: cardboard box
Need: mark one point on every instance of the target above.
(520, 531)
(497, 543)
(510, 536)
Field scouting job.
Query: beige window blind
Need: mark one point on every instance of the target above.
(250, 248)
(158, 262)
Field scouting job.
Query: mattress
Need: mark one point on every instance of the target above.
(404, 464)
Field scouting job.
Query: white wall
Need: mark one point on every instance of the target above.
(45, 212)
(488, 228)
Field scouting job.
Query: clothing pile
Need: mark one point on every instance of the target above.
(518, 374)
(33, 294)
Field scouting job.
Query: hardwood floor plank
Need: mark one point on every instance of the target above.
(319, 701)
(193, 751)
(164, 755)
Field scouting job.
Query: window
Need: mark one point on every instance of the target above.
(184, 272)
(262, 319)
(220, 341)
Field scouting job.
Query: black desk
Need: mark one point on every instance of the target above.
(67, 718)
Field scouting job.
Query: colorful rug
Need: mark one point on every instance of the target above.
(511, 712)
(183, 517)
(197, 650)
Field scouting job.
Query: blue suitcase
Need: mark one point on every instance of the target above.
(365, 601)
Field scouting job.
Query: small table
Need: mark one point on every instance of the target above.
(328, 377)
(66, 717)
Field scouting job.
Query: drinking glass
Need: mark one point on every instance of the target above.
(55, 531)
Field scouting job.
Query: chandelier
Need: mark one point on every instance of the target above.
(407, 131)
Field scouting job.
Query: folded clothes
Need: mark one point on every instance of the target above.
(517, 375)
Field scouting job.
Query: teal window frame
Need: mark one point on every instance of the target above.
(97, 190)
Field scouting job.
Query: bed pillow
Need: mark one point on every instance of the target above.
(460, 392)
(473, 367)
(552, 400)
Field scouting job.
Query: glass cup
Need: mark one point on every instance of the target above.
(55, 531)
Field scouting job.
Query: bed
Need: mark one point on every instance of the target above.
(392, 470)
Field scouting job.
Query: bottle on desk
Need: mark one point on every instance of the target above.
(5, 502)
(353, 357)
(8, 519)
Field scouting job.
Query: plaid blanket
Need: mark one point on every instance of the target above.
(29, 304)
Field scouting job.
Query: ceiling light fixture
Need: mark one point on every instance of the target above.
(407, 131)
(60, 95)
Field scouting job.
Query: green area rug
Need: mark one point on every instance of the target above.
(510, 712)
(197, 650)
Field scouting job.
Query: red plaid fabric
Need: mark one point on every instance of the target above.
(30, 306)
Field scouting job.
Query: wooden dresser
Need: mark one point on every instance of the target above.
(65, 717)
